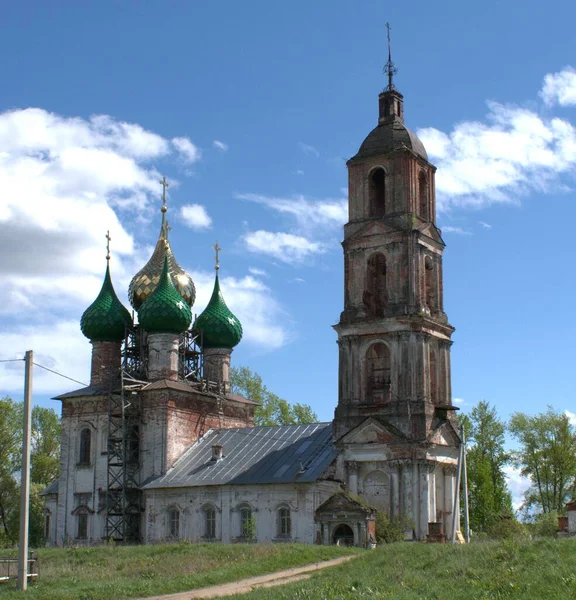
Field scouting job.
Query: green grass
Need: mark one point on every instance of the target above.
(538, 570)
(113, 573)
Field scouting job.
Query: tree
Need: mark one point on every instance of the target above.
(488, 494)
(44, 457)
(547, 456)
(271, 409)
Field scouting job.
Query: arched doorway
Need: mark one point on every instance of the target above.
(343, 535)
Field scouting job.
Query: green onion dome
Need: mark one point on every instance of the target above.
(106, 318)
(220, 328)
(165, 311)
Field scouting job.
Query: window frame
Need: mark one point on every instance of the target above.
(85, 447)
(283, 522)
(174, 524)
(82, 524)
(210, 523)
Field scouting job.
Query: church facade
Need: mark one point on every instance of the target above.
(159, 448)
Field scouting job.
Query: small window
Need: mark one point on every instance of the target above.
(210, 523)
(423, 197)
(85, 442)
(284, 523)
(82, 532)
(247, 525)
(174, 524)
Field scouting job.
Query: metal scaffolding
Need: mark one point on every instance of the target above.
(124, 497)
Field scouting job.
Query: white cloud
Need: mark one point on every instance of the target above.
(257, 272)
(297, 280)
(309, 150)
(457, 230)
(512, 152)
(286, 247)
(571, 416)
(195, 216)
(485, 225)
(458, 401)
(560, 88)
(189, 152)
(517, 484)
(263, 318)
(220, 145)
(299, 172)
(309, 213)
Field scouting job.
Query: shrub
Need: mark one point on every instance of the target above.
(547, 524)
(508, 528)
(391, 530)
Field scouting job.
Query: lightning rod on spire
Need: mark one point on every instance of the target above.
(108, 238)
(217, 249)
(390, 68)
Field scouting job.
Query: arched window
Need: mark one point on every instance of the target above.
(423, 197)
(377, 374)
(209, 523)
(47, 522)
(82, 524)
(284, 523)
(174, 523)
(377, 193)
(247, 523)
(85, 442)
(430, 287)
(375, 296)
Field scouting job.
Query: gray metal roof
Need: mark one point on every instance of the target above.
(391, 136)
(291, 453)
(51, 489)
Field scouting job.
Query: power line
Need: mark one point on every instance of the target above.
(12, 360)
(60, 374)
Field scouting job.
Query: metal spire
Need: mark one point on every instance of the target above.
(217, 249)
(108, 238)
(164, 208)
(389, 68)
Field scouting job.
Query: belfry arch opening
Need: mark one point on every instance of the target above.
(377, 192)
(423, 197)
(378, 374)
(376, 292)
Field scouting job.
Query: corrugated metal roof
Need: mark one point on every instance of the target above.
(291, 453)
(51, 489)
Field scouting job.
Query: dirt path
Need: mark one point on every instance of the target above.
(244, 586)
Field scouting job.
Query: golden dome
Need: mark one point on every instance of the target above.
(146, 280)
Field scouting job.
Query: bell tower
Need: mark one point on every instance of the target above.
(393, 335)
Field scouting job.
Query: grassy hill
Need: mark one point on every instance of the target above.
(539, 570)
(113, 573)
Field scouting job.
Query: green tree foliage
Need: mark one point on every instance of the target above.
(44, 458)
(547, 456)
(488, 494)
(271, 409)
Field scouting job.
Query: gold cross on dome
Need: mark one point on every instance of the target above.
(108, 238)
(217, 249)
(165, 185)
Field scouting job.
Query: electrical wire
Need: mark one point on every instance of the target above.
(60, 374)
(12, 360)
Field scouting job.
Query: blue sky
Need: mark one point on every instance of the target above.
(250, 110)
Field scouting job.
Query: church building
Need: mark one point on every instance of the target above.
(158, 447)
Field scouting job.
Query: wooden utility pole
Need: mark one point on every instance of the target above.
(25, 483)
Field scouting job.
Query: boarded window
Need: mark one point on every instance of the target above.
(376, 293)
(378, 374)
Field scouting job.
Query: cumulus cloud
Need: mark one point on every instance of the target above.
(195, 216)
(257, 272)
(560, 88)
(308, 150)
(517, 484)
(512, 152)
(263, 318)
(308, 213)
(571, 416)
(65, 181)
(220, 145)
(188, 151)
(286, 247)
